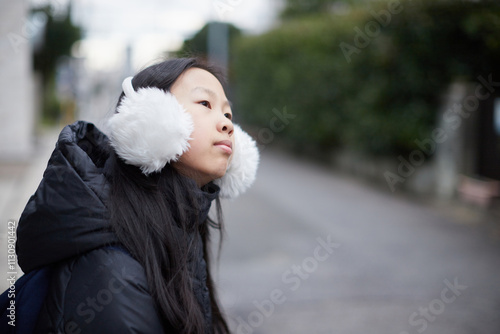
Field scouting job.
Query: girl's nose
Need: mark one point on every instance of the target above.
(225, 125)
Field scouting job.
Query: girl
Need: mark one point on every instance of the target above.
(122, 219)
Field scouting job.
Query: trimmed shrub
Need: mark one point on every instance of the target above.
(360, 81)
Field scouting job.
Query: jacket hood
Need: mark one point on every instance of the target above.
(67, 215)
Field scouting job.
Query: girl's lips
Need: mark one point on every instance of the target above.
(225, 145)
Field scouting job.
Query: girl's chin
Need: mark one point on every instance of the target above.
(220, 172)
(205, 174)
(218, 175)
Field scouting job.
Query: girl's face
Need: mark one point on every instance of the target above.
(202, 95)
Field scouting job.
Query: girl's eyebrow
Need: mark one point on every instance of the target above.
(212, 94)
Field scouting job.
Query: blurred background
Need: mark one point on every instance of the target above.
(377, 203)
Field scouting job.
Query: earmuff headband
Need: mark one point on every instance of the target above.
(151, 128)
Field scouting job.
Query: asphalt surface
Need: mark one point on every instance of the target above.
(309, 251)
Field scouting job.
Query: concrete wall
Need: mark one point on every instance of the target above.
(456, 154)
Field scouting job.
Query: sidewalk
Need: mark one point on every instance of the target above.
(18, 181)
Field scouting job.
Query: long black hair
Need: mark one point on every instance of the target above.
(156, 216)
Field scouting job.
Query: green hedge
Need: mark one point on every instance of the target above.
(378, 94)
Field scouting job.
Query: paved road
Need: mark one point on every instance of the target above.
(307, 251)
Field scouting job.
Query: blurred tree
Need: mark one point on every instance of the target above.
(298, 8)
(59, 36)
(295, 8)
(197, 45)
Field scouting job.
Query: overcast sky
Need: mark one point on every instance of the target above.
(153, 26)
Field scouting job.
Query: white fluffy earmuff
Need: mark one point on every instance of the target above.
(151, 128)
(242, 168)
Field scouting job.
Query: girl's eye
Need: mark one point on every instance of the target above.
(206, 104)
(228, 116)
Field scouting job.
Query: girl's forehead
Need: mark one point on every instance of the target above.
(197, 78)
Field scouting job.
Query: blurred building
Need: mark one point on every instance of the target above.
(17, 98)
(97, 91)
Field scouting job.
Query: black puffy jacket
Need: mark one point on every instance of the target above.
(95, 287)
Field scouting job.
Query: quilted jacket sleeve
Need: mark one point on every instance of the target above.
(108, 293)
